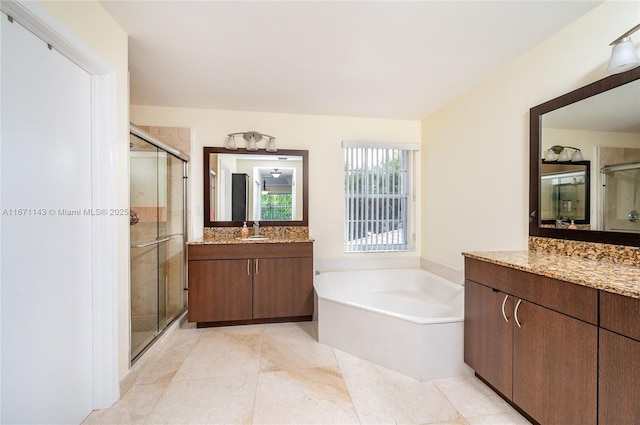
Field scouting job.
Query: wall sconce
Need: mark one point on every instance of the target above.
(264, 187)
(560, 154)
(623, 54)
(252, 138)
(275, 174)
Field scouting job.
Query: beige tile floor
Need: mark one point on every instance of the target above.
(280, 374)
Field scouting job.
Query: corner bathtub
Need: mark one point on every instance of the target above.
(408, 320)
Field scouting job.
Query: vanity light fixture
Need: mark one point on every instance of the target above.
(230, 143)
(275, 173)
(623, 54)
(252, 138)
(560, 154)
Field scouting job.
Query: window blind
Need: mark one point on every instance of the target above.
(376, 197)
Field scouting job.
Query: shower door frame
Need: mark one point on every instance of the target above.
(138, 132)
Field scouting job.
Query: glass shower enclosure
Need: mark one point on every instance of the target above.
(158, 220)
(621, 194)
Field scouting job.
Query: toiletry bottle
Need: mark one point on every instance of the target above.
(573, 225)
(245, 230)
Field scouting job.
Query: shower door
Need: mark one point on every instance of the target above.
(621, 194)
(157, 199)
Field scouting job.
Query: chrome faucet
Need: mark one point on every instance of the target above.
(256, 228)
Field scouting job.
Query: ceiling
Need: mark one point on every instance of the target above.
(379, 59)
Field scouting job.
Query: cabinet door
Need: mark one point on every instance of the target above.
(283, 287)
(488, 336)
(220, 290)
(619, 379)
(554, 366)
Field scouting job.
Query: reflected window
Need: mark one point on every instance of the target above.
(276, 206)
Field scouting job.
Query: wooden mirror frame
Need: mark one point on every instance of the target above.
(586, 165)
(535, 157)
(267, 223)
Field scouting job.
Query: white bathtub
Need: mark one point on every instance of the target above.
(408, 320)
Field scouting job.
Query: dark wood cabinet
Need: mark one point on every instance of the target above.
(550, 368)
(488, 335)
(281, 287)
(554, 366)
(250, 282)
(220, 290)
(619, 360)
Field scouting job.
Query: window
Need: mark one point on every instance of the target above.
(377, 196)
(276, 206)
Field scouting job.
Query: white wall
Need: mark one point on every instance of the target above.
(479, 143)
(95, 27)
(321, 135)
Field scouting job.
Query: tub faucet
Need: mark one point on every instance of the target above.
(256, 228)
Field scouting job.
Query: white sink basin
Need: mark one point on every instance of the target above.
(254, 238)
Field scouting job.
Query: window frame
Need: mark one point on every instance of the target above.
(384, 198)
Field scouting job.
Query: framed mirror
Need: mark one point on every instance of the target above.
(565, 193)
(602, 121)
(248, 186)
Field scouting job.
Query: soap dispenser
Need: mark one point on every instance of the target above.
(245, 230)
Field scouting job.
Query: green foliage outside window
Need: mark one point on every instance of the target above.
(276, 206)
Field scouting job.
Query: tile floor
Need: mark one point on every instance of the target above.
(280, 374)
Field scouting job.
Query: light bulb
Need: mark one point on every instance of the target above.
(252, 146)
(231, 143)
(564, 156)
(271, 145)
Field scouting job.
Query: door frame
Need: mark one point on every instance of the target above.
(35, 18)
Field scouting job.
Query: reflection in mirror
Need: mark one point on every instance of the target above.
(565, 194)
(255, 186)
(620, 200)
(602, 121)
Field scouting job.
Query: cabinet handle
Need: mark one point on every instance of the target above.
(249, 267)
(506, 297)
(515, 313)
(257, 260)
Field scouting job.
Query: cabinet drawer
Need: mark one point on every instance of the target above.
(489, 274)
(573, 300)
(249, 250)
(620, 314)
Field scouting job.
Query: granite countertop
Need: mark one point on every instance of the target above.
(273, 234)
(606, 275)
(233, 240)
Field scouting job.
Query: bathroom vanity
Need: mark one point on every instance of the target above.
(235, 280)
(556, 336)
(245, 281)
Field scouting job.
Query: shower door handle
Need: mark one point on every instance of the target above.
(146, 244)
(156, 242)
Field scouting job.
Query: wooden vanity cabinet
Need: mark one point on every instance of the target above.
(619, 364)
(543, 355)
(488, 337)
(555, 366)
(283, 287)
(220, 290)
(250, 282)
